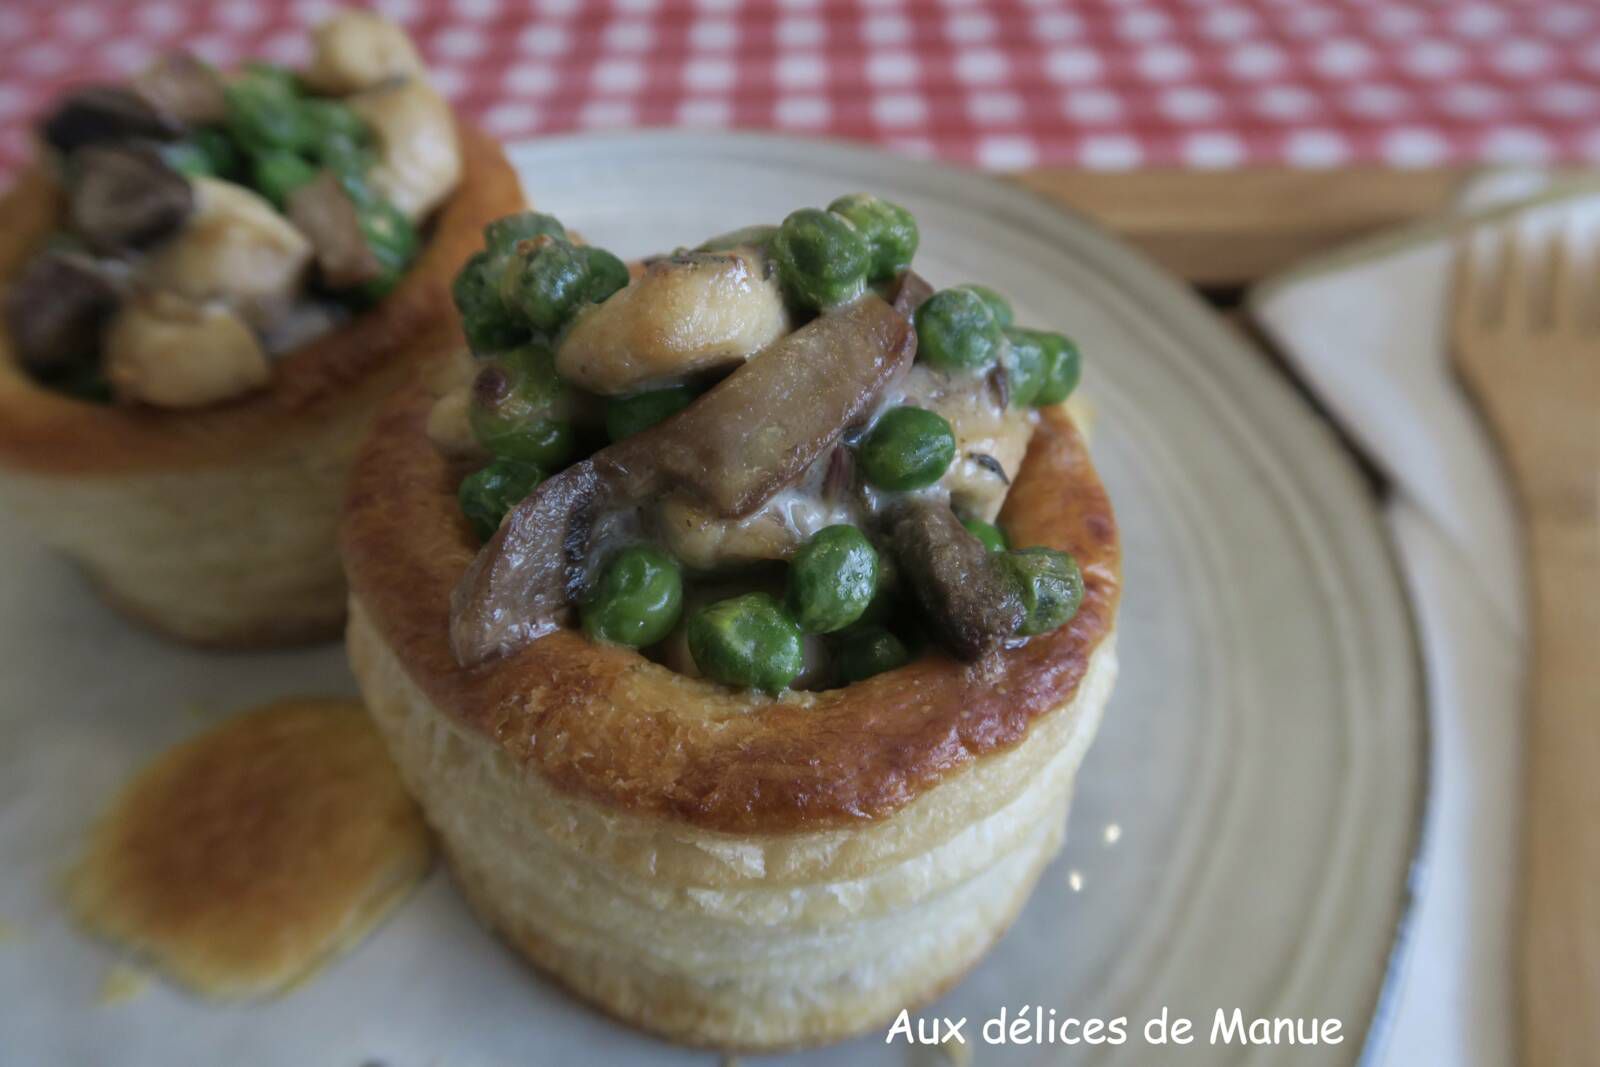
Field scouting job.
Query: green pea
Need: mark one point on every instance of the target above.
(515, 398)
(867, 651)
(998, 305)
(487, 494)
(277, 174)
(993, 538)
(627, 415)
(332, 119)
(1051, 585)
(637, 599)
(890, 230)
(832, 579)
(341, 142)
(908, 448)
(205, 151)
(485, 320)
(393, 240)
(823, 260)
(1028, 359)
(747, 641)
(265, 115)
(351, 160)
(607, 274)
(549, 281)
(759, 236)
(957, 332)
(188, 158)
(502, 235)
(1066, 367)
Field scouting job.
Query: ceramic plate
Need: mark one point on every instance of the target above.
(1244, 825)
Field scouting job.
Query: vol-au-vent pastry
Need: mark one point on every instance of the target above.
(210, 280)
(740, 620)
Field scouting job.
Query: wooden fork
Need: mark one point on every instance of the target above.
(1526, 327)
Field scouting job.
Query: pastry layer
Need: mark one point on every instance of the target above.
(732, 939)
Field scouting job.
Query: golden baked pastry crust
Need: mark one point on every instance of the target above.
(608, 725)
(759, 940)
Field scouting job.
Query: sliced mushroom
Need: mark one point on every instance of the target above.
(731, 451)
(124, 196)
(170, 352)
(419, 160)
(235, 248)
(183, 88)
(323, 211)
(356, 50)
(690, 312)
(910, 291)
(969, 599)
(104, 113)
(56, 311)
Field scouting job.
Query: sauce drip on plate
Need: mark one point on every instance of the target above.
(242, 859)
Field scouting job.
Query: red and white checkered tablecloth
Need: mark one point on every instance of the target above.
(1001, 83)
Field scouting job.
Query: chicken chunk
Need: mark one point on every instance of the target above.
(705, 542)
(170, 352)
(234, 248)
(450, 426)
(991, 437)
(419, 160)
(688, 313)
(356, 50)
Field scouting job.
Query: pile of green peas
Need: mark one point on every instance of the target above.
(969, 329)
(515, 298)
(755, 640)
(275, 138)
(828, 258)
(518, 295)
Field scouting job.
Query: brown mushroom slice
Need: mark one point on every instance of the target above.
(56, 311)
(761, 427)
(732, 450)
(125, 197)
(184, 88)
(969, 598)
(104, 113)
(911, 289)
(170, 352)
(323, 211)
(687, 313)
